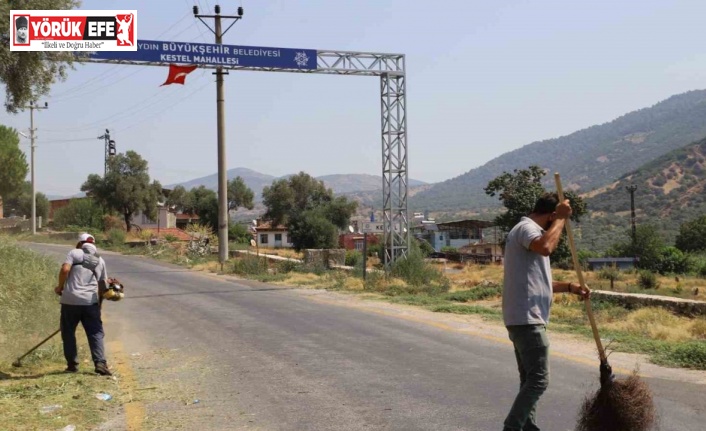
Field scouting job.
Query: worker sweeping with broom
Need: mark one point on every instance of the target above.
(527, 297)
(619, 405)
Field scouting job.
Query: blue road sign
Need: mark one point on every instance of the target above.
(153, 51)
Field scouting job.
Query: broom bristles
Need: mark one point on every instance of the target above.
(621, 405)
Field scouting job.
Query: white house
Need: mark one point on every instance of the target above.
(166, 219)
(272, 237)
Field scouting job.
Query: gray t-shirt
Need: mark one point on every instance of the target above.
(527, 290)
(81, 286)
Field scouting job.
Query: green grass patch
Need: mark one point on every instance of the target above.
(29, 311)
(465, 309)
(475, 294)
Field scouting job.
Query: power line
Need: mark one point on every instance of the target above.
(113, 69)
(166, 109)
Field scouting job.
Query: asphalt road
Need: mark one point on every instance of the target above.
(270, 358)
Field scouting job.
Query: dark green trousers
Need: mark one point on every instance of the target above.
(532, 354)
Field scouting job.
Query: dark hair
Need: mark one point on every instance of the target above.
(546, 204)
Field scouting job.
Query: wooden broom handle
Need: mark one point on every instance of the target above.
(579, 274)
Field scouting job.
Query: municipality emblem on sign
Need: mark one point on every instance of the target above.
(301, 59)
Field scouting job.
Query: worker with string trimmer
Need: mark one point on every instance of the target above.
(527, 297)
(83, 283)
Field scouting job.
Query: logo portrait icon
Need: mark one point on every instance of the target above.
(21, 30)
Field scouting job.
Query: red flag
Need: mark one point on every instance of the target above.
(177, 74)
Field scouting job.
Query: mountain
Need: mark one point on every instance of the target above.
(670, 190)
(340, 184)
(255, 180)
(353, 183)
(587, 159)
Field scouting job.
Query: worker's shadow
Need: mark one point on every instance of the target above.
(6, 376)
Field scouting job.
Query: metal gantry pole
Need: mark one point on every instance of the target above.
(394, 167)
(32, 135)
(221, 133)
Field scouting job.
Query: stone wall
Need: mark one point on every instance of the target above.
(327, 257)
(686, 307)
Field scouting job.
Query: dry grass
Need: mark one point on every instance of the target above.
(472, 275)
(656, 324)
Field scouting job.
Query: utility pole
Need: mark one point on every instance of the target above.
(31, 108)
(631, 189)
(109, 150)
(220, 114)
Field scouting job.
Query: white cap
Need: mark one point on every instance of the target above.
(86, 237)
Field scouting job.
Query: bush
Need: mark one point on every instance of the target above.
(287, 266)
(249, 265)
(647, 280)
(111, 222)
(416, 272)
(425, 247)
(353, 257)
(673, 260)
(375, 250)
(80, 212)
(611, 273)
(239, 234)
(116, 237)
(170, 238)
(449, 250)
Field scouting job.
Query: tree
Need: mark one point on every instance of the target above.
(309, 209)
(29, 75)
(126, 188)
(204, 202)
(519, 192)
(20, 203)
(82, 213)
(239, 194)
(178, 198)
(648, 247)
(13, 161)
(692, 235)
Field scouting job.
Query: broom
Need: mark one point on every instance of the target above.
(619, 405)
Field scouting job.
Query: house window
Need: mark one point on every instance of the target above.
(359, 245)
(278, 237)
(263, 238)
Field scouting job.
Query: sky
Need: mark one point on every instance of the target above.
(483, 78)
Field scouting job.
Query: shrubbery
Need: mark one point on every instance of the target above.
(353, 258)
(647, 280)
(82, 213)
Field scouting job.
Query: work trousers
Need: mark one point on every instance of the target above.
(532, 355)
(90, 318)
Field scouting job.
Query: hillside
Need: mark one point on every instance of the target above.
(587, 159)
(670, 190)
(341, 184)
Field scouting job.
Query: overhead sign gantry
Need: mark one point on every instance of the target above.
(389, 67)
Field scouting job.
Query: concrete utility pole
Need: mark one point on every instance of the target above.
(220, 114)
(631, 189)
(31, 108)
